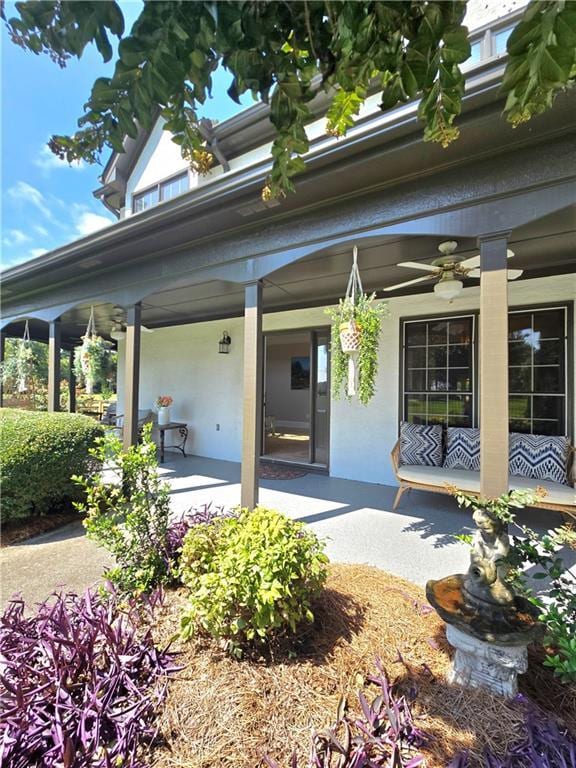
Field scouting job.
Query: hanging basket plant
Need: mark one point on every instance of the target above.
(90, 358)
(356, 323)
(24, 363)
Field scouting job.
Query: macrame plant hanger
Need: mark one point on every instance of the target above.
(350, 337)
(22, 384)
(89, 334)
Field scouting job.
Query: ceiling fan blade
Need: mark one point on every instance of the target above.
(474, 273)
(474, 261)
(514, 274)
(417, 265)
(408, 282)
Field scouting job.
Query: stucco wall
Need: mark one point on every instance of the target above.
(207, 387)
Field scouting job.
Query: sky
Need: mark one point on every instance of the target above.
(45, 202)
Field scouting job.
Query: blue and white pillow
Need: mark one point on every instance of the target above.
(421, 444)
(462, 448)
(539, 457)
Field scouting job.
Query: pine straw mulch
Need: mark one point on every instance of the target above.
(15, 531)
(227, 713)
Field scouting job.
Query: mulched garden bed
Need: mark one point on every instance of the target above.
(15, 531)
(229, 713)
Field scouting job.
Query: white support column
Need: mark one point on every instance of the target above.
(132, 375)
(493, 379)
(252, 413)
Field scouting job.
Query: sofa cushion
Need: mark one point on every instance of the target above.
(462, 448)
(539, 457)
(466, 480)
(421, 444)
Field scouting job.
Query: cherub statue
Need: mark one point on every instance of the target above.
(486, 577)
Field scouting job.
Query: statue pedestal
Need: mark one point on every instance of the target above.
(482, 664)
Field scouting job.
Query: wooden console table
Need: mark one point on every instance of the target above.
(183, 432)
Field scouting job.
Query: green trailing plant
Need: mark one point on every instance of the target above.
(252, 577)
(285, 54)
(557, 599)
(127, 511)
(92, 361)
(38, 454)
(367, 316)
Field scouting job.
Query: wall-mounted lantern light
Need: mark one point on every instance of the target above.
(224, 343)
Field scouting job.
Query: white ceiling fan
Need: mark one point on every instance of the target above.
(118, 330)
(448, 269)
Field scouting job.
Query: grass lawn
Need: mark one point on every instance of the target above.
(229, 713)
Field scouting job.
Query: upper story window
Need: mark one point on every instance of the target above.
(500, 39)
(165, 190)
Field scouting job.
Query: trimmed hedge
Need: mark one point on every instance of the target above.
(39, 453)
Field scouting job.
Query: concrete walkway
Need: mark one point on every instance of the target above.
(416, 542)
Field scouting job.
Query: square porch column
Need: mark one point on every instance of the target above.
(493, 378)
(132, 375)
(252, 411)
(54, 341)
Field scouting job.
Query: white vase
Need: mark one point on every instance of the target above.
(163, 416)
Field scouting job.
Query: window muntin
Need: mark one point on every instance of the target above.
(145, 200)
(439, 371)
(174, 187)
(537, 350)
(165, 190)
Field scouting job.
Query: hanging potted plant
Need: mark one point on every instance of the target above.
(90, 358)
(18, 369)
(356, 323)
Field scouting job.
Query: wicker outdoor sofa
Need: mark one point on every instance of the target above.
(559, 497)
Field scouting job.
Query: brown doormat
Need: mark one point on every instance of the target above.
(279, 472)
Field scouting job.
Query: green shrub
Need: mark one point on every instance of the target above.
(252, 577)
(39, 453)
(127, 511)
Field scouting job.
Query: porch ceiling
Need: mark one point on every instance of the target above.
(544, 247)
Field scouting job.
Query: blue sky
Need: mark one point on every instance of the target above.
(45, 202)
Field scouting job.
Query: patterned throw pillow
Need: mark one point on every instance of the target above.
(539, 457)
(420, 444)
(462, 448)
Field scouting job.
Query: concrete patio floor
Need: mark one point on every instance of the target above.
(416, 542)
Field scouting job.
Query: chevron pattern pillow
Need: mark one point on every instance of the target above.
(462, 448)
(420, 444)
(539, 457)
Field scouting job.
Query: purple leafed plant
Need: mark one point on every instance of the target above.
(383, 737)
(542, 745)
(81, 683)
(207, 513)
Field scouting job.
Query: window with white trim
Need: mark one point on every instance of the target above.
(159, 193)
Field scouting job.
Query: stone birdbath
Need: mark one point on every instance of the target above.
(488, 624)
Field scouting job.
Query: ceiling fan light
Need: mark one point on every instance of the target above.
(448, 289)
(117, 334)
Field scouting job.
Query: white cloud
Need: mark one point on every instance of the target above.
(40, 230)
(35, 252)
(24, 192)
(89, 222)
(15, 237)
(47, 161)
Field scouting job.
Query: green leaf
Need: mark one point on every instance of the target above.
(456, 45)
(132, 51)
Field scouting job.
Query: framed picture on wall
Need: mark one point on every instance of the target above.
(300, 373)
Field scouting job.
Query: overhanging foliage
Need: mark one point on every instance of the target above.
(285, 53)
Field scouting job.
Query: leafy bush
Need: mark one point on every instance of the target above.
(252, 577)
(557, 600)
(127, 511)
(384, 736)
(39, 453)
(82, 683)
